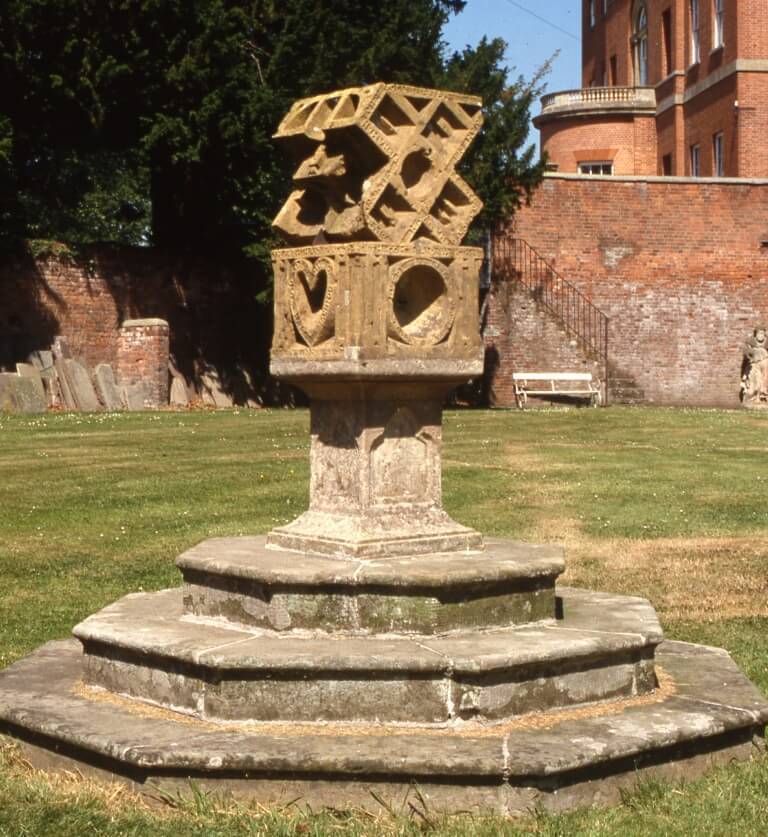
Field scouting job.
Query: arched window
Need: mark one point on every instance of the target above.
(640, 41)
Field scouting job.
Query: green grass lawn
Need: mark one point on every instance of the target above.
(668, 504)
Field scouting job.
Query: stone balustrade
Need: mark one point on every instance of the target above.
(599, 98)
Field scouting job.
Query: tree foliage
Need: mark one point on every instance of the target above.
(150, 121)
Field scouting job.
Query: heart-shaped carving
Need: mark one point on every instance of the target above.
(312, 292)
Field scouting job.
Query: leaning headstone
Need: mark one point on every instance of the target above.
(60, 348)
(81, 387)
(213, 389)
(20, 395)
(179, 396)
(65, 388)
(28, 370)
(41, 359)
(134, 396)
(52, 388)
(108, 391)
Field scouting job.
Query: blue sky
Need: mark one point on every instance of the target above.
(530, 40)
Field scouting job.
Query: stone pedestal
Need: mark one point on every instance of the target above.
(375, 486)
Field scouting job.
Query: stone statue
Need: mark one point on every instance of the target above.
(754, 369)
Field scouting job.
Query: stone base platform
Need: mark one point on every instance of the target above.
(144, 647)
(344, 681)
(705, 712)
(243, 580)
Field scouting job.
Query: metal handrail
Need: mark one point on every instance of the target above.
(515, 260)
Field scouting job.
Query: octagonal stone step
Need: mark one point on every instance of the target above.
(708, 713)
(247, 582)
(145, 647)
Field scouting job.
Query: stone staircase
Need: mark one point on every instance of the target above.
(576, 331)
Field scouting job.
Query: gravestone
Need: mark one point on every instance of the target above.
(179, 397)
(20, 394)
(110, 394)
(61, 354)
(28, 370)
(135, 397)
(41, 359)
(81, 387)
(7, 404)
(52, 387)
(60, 348)
(375, 648)
(212, 389)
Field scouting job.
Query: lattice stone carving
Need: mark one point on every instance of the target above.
(378, 163)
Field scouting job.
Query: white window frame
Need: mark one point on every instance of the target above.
(640, 39)
(718, 24)
(695, 157)
(695, 32)
(718, 155)
(594, 168)
(592, 14)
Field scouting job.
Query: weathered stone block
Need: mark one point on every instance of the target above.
(135, 397)
(561, 762)
(366, 302)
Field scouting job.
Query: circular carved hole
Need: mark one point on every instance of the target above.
(415, 166)
(420, 302)
(314, 289)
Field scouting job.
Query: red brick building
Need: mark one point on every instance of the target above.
(652, 273)
(669, 87)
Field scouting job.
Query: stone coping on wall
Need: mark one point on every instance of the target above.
(145, 323)
(654, 178)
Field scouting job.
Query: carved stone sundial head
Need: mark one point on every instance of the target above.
(376, 272)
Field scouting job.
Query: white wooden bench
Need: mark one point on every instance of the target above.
(572, 384)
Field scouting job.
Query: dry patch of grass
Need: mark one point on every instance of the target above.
(700, 579)
(70, 786)
(691, 579)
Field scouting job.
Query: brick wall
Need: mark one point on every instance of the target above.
(751, 119)
(725, 91)
(627, 141)
(210, 307)
(535, 343)
(676, 264)
(745, 36)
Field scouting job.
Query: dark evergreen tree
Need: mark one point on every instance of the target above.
(150, 121)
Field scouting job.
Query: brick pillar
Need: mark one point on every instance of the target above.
(142, 359)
